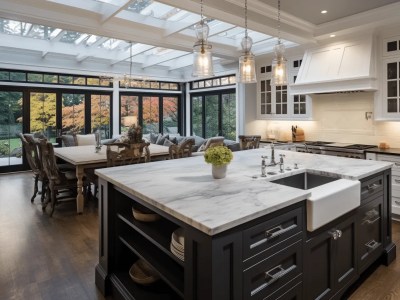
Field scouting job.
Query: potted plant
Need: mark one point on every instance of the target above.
(219, 157)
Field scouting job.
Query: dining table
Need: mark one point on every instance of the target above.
(88, 157)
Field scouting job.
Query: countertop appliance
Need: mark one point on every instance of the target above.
(335, 149)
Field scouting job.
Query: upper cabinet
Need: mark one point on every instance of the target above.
(277, 102)
(388, 100)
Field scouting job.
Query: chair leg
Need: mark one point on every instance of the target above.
(44, 189)
(53, 202)
(35, 188)
(48, 195)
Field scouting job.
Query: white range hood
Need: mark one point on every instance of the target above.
(336, 68)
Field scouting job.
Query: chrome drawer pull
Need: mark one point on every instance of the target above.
(371, 245)
(273, 275)
(273, 233)
(371, 216)
(397, 164)
(397, 180)
(397, 202)
(373, 186)
(369, 221)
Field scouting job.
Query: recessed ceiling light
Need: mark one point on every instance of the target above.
(324, 11)
(332, 35)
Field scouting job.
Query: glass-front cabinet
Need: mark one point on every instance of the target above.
(277, 102)
(391, 78)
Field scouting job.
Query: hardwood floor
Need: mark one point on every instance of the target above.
(54, 258)
(43, 257)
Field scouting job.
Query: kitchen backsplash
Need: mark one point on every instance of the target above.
(336, 118)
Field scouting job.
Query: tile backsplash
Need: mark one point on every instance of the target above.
(336, 118)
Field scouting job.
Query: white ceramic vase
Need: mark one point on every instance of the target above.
(219, 172)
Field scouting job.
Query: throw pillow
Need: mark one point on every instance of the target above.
(198, 141)
(68, 140)
(173, 140)
(179, 139)
(85, 139)
(168, 143)
(161, 138)
(153, 138)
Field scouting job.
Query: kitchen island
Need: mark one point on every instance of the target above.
(245, 237)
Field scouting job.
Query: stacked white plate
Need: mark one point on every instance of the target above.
(177, 245)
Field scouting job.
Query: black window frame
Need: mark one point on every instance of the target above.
(219, 93)
(160, 96)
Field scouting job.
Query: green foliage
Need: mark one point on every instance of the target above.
(218, 155)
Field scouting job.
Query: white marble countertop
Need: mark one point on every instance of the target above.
(185, 188)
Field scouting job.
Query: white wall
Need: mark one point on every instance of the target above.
(336, 118)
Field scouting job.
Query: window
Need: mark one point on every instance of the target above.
(215, 82)
(155, 113)
(64, 79)
(129, 109)
(43, 115)
(73, 113)
(151, 116)
(100, 114)
(213, 114)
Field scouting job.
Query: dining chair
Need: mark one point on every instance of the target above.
(183, 149)
(249, 142)
(32, 156)
(119, 154)
(62, 185)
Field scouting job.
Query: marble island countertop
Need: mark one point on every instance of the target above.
(185, 189)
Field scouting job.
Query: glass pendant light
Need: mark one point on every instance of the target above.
(247, 64)
(279, 67)
(202, 56)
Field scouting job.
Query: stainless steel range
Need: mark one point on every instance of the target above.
(335, 149)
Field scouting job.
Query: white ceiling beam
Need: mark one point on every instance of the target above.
(18, 42)
(81, 57)
(136, 50)
(44, 53)
(58, 37)
(152, 61)
(189, 21)
(261, 17)
(111, 12)
(99, 42)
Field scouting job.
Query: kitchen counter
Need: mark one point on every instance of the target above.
(185, 189)
(392, 151)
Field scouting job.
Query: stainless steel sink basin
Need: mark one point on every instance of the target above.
(305, 180)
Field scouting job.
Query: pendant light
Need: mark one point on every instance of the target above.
(202, 56)
(279, 67)
(247, 64)
(128, 78)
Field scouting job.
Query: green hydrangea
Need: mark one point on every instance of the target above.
(218, 155)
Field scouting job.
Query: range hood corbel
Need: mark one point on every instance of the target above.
(336, 68)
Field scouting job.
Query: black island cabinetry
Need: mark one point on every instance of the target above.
(271, 257)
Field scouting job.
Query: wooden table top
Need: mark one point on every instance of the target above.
(83, 155)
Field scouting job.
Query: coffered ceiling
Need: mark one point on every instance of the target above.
(100, 35)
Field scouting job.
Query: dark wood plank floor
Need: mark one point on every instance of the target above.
(42, 257)
(54, 258)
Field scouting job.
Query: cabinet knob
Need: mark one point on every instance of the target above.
(334, 234)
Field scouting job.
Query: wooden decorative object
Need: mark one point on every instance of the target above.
(184, 149)
(119, 154)
(249, 141)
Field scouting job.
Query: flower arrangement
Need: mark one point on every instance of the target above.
(135, 134)
(218, 155)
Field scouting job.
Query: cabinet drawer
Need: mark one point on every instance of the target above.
(395, 159)
(371, 187)
(370, 226)
(265, 235)
(293, 291)
(396, 181)
(271, 274)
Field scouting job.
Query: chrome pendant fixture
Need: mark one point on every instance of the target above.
(247, 64)
(202, 55)
(279, 66)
